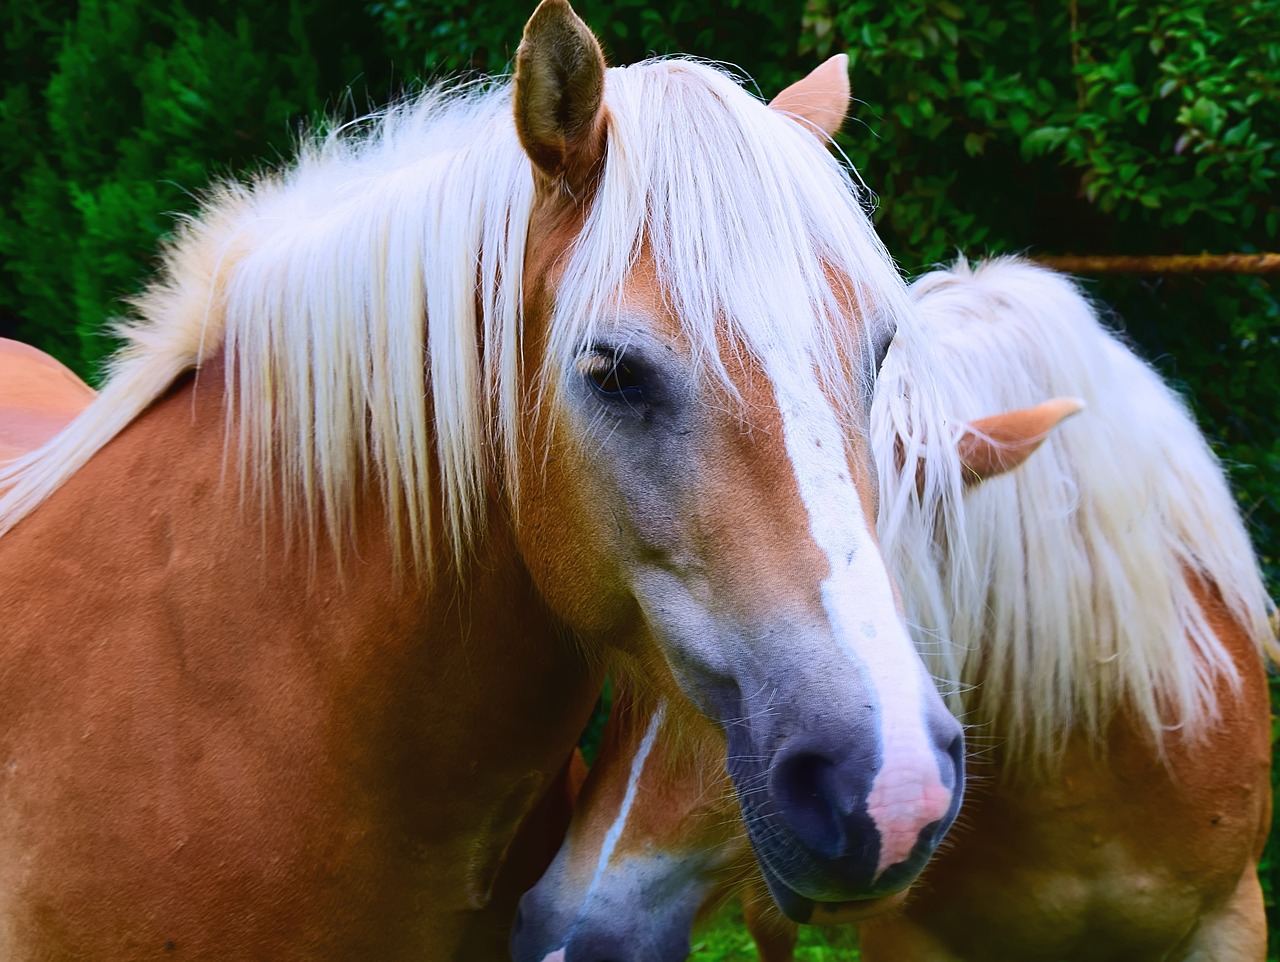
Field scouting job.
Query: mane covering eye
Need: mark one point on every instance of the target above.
(883, 342)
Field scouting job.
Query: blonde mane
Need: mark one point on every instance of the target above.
(385, 266)
(1074, 594)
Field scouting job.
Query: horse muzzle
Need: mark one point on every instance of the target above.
(846, 814)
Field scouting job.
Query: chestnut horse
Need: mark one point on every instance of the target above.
(301, 616)
(38, 396)
(1102, 634)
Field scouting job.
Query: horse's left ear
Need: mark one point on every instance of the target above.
(558, 94)
(996, 444)
(821, 100)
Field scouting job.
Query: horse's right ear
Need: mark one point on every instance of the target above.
(999, 443)
(993, 445)
(558, 95)
(820, 100)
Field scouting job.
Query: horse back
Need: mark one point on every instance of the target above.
(38, 396)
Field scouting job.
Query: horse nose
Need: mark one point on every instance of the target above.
(621, 947)
(820, 797)
(878, 812)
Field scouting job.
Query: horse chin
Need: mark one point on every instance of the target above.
(806, 911)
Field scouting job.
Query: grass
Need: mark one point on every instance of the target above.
(724, 939)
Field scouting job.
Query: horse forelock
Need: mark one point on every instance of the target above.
(348, 286)
(747, 220)
(1073, 595)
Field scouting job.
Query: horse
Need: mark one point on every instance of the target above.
(1102, 635)
(38, 397)
(405, 444)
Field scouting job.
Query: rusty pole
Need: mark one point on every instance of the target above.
(1163, 263)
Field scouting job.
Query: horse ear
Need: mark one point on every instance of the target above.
(996, 444)
(820, 100)
(558, 94)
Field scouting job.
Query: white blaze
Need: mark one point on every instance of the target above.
(908, 792)
(628, 800)
(614, 833)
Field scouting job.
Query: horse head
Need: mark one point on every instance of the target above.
(656, 839)
(705, 304)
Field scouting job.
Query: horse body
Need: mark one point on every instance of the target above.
(1103, 632)
(302, 615)
(38, 396)
(219, 737)
(1134, 857)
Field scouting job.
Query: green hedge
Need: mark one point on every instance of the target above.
(119, 111)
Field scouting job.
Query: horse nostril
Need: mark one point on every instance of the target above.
(955, 751)
(802, 785)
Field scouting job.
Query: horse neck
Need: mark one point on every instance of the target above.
(165, 496)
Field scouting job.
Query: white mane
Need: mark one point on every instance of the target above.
(368, 275)
(1073, 595)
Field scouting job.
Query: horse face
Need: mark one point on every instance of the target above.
(672, 523)
(655, 837)
(716, 528)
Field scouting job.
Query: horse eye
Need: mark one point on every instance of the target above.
(612, 377)
(882, 350)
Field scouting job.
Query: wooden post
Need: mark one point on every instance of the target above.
(1163, 263)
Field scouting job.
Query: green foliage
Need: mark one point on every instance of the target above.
(449, 36)
(1150, 127)
(1096, 127)
(589, 741)
(128, 110)
(723, 938)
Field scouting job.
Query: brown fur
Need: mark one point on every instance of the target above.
(741, 467)
(38, 396)
(1120, 857)
(292, 776)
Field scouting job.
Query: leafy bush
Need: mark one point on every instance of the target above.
(127, 111)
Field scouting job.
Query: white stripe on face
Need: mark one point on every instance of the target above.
(628, 799)
(908, 792)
